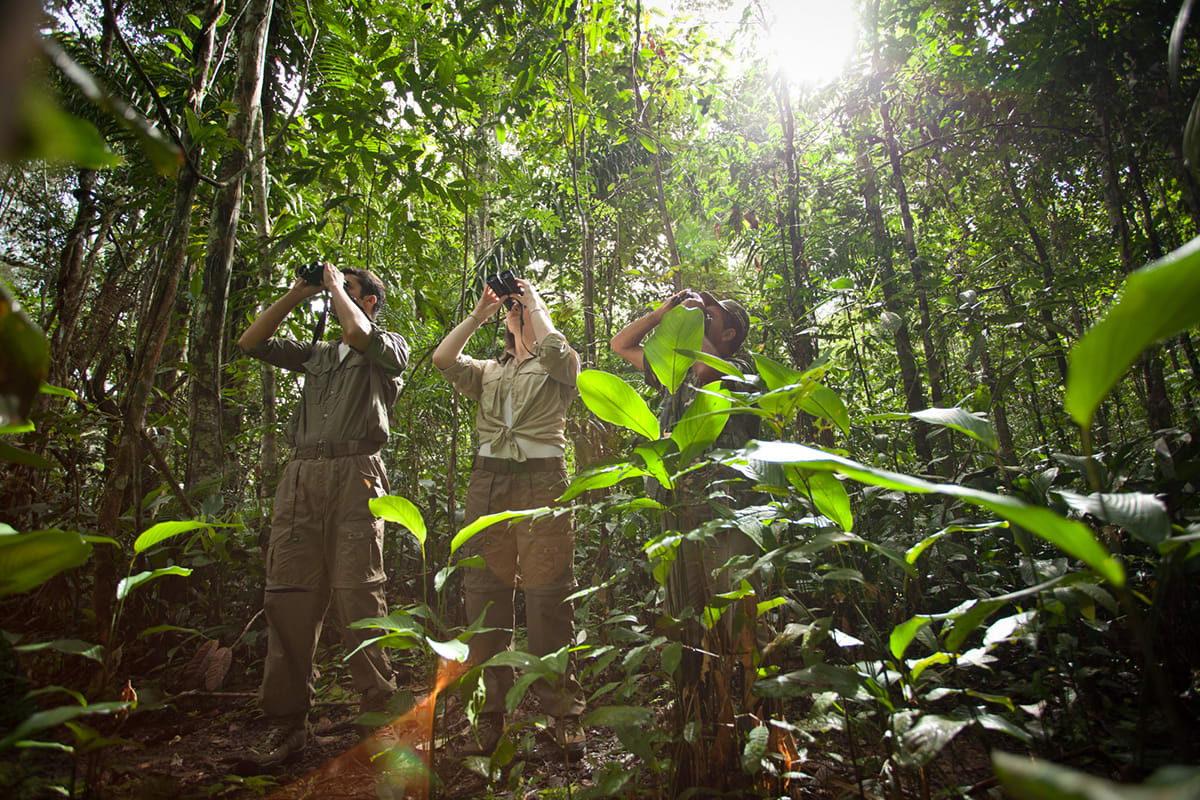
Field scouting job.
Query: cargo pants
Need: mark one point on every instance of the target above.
(326, 548)
(537, 557)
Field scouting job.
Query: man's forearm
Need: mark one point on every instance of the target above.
(265, 325)
(356, 327)
(628, 342)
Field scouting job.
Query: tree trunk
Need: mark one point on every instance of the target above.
(910, 379)
(582, 204)
(72, 278)
(206, 454)
(152, 333)
(933, 361)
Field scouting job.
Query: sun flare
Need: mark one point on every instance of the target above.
(810, 40)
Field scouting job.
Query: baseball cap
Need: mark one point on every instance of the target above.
(739, 320)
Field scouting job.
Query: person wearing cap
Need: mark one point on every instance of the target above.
(691, 582)
(523, 398)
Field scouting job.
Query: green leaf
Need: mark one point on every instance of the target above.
(1024, 778)
(613, 400)
(717, 363)
(394, 508)
(827, 493)
(28, 560)
(1143, 515)
(914, 552)
(963, 421)
(1072, 537)
(58, 136)
(53, 717)
(15, 455)
(652, 455)
(453, 650)
(127, 585)
(904, 633)
(74, 647)
(601, 478)
(163, 531)
(1158, 301)
(24, 362)
(681, 329)
(826, 404)
(810, 680)
(487, 520)
(702, 423)
(920, 743)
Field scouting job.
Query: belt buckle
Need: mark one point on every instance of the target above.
(323, 450)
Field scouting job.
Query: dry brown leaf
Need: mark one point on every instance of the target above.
(197, 668)
(218, 667)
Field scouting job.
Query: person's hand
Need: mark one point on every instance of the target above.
(303, 289)
(332, 277)
(687, 298)
(486, 306)
(529, 296)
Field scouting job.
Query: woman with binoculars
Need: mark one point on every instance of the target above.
(523, 398)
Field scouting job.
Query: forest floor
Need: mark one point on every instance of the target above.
(197, 747)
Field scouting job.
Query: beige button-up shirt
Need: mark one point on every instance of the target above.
(346, 398)
(538, 390)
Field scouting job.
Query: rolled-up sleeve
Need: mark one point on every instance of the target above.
(559, 359)
(465, 375)
(387, 350)
(282, 352)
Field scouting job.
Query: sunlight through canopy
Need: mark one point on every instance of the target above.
(810, 40)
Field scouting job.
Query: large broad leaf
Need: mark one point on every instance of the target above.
(127, 585)
(1159, 301)
(619, 717)
(30, 559)
(56, 716)
(452, 650)
(163, 531)
(1143, 515)
(394, 508)
(1072, 537)
(789, 390)
(487, 520)
(24, 360)
(924, 740)
(1030, 779)
(702, 423)
(681, 329)
(601, 478)
(75, 647)
(15, 455)
(827, 494)
(613, 400)
(810, 680)
(963, 421)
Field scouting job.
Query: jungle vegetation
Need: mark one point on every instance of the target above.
(971, 266)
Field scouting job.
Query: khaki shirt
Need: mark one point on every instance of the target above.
(344, 399)
(540, 388)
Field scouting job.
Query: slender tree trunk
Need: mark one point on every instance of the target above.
(72, 278)
(910, 379)
(266, 268)
(152, 333)
(582, 203)
(933, 360)
(1044, 261)
(1159, 413)
(206, 453)
(639, 124)
(801, 344)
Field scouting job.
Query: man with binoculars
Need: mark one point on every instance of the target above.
(325, 544)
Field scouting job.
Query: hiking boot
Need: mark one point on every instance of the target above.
(285, 741)
(568, 742)
(489, 727)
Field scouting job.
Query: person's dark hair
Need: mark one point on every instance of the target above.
(371, 284)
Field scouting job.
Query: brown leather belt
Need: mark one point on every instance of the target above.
(336, 449)
(506, 466)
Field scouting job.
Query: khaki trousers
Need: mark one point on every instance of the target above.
(326, 548)
(536, 557)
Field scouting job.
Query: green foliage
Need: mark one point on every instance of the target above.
(681, 329)
(30, 559)
(613, 400)
(401, 510)
(1157, 302)
(24, 360)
